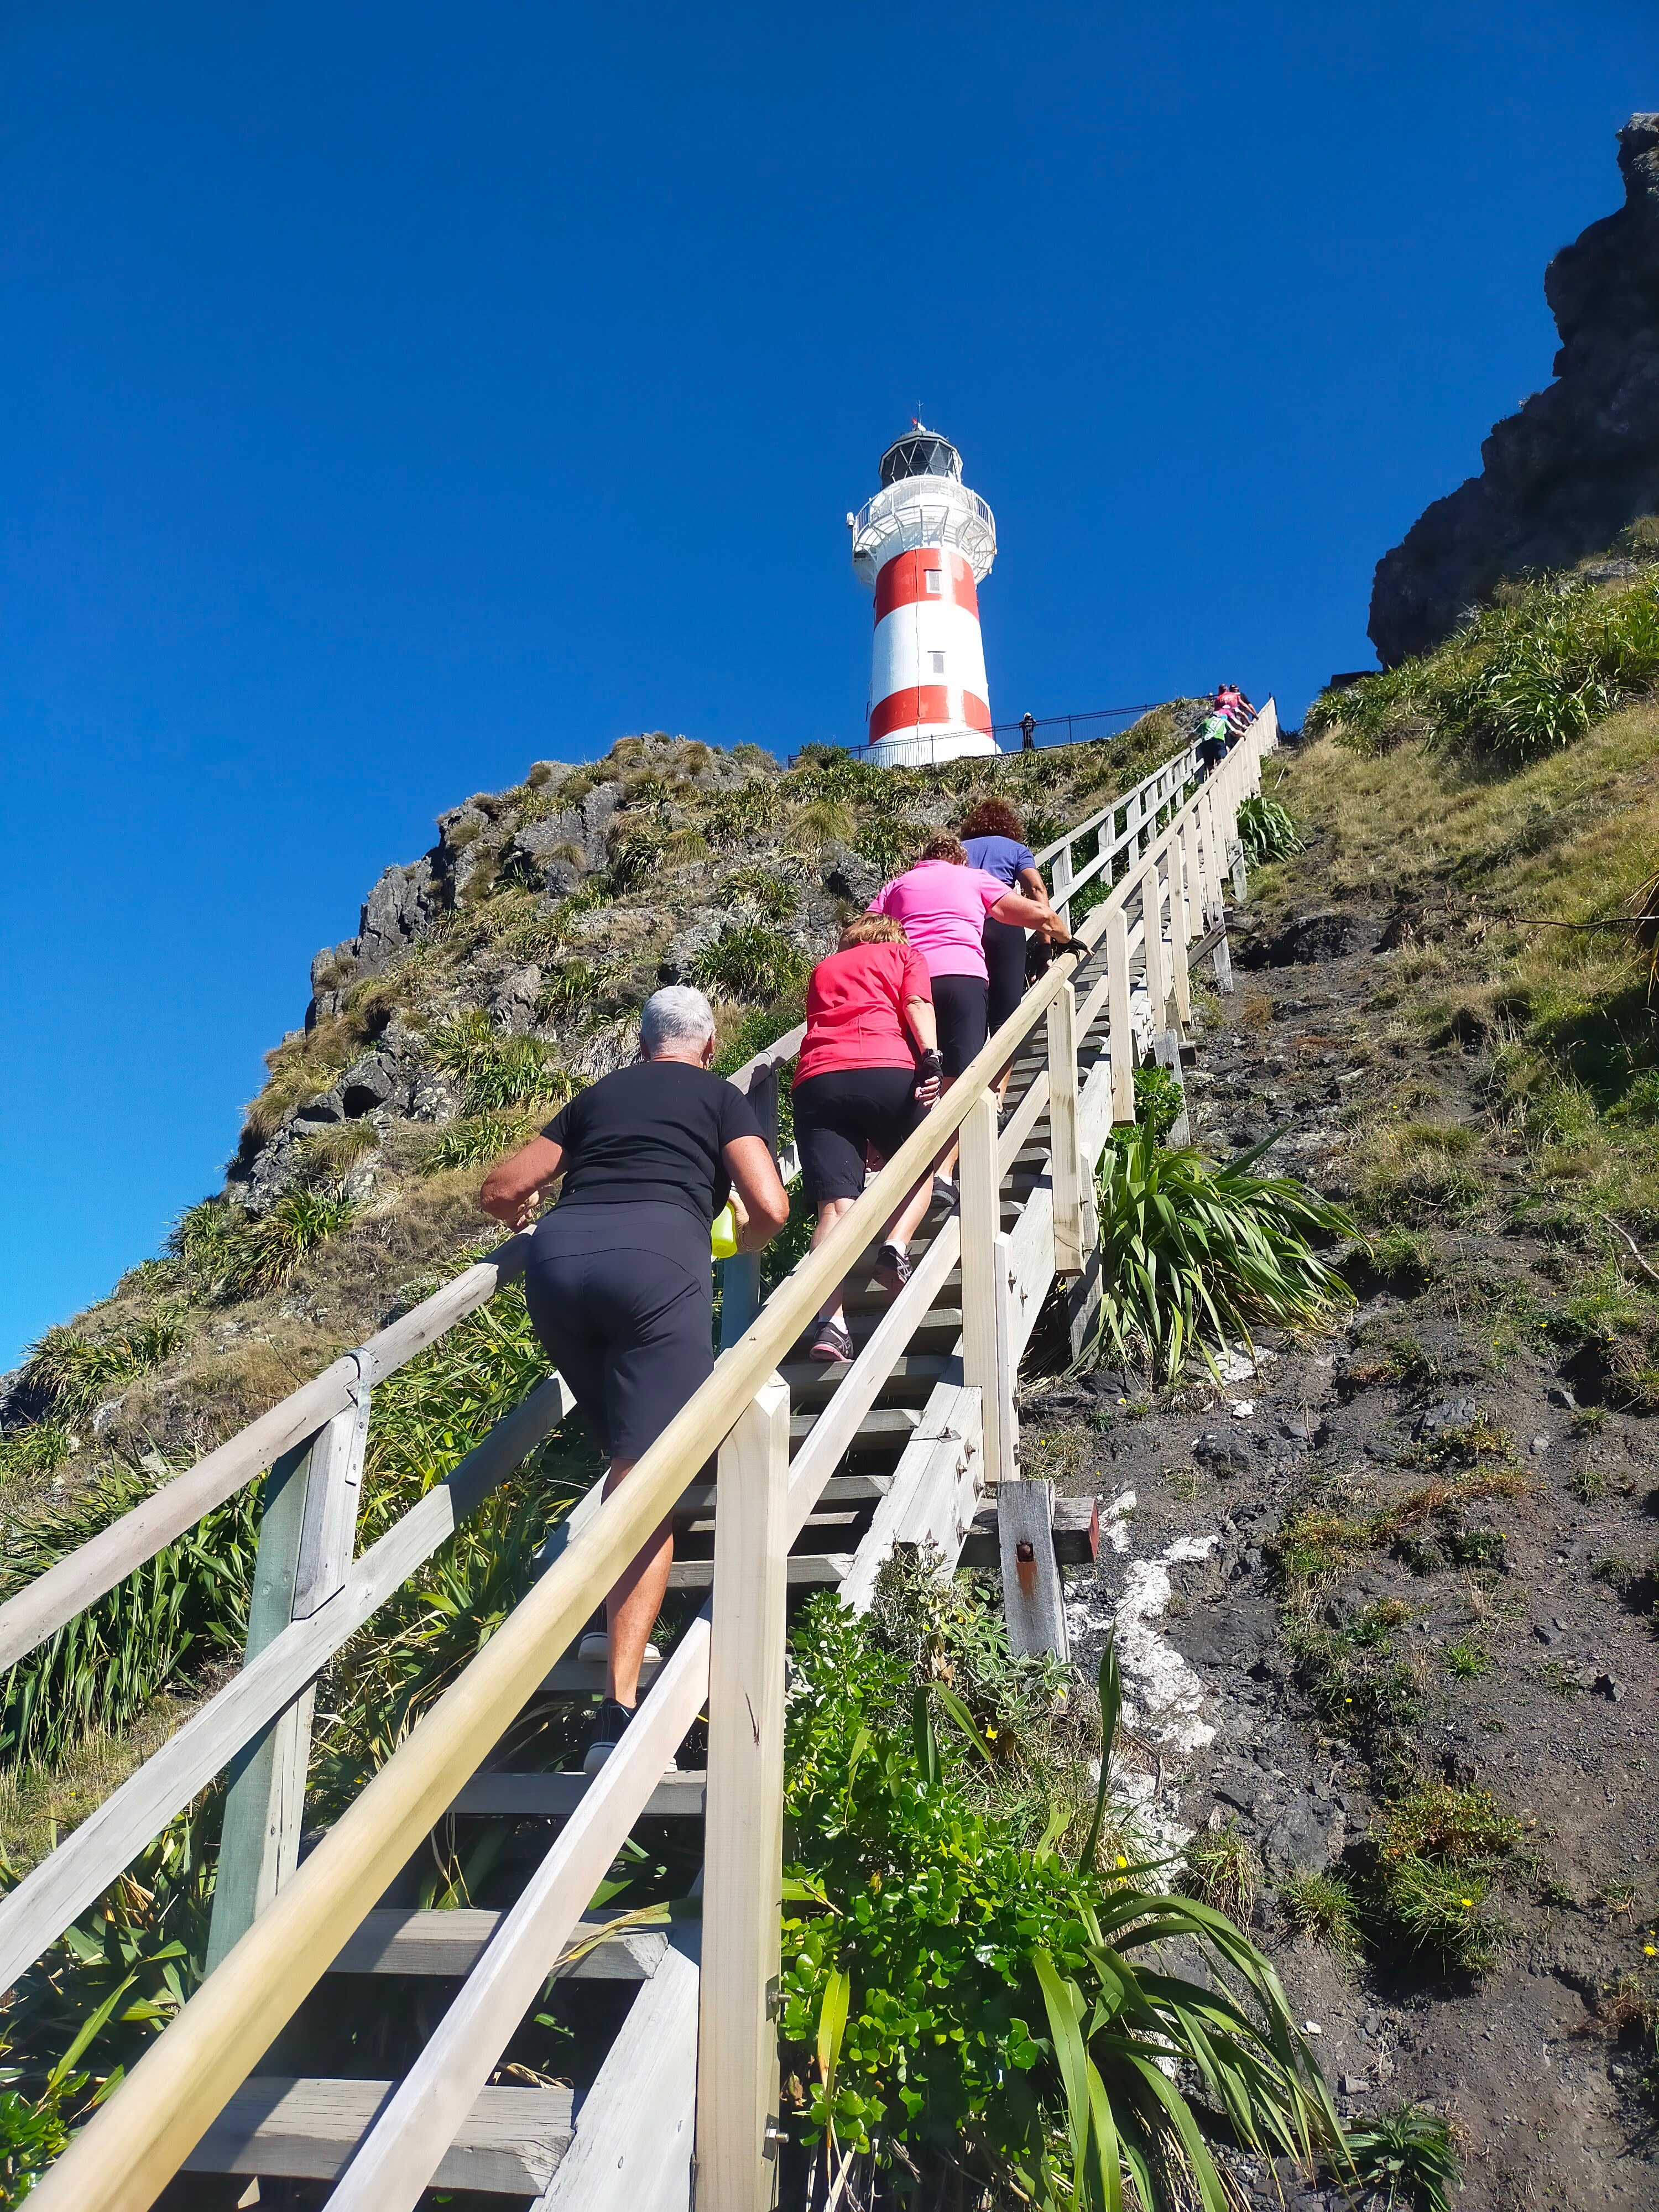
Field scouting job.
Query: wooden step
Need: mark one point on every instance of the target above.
(509, 1796)
(806, 1570)
(808, 1381)
(509, 2145)
(575, 1677)
(394, 1941)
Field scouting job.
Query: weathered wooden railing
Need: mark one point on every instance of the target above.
(277, 1926)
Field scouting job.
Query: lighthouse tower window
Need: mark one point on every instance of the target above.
(938, 663)
(935, 581)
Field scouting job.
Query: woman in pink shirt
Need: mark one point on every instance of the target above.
(941, 903)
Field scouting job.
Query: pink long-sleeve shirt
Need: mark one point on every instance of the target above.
(941, 907)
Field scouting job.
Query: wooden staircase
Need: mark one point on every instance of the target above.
(830, 1470)
(514, 2141)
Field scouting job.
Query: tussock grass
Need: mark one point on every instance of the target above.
(74, 1371)
(1531, 673)
(751, 962)
(1221, 1870)
(1321, 1906)
(478, 1139)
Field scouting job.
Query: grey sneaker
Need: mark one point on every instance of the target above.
(595, 1650)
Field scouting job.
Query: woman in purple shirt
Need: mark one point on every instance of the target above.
(994, 837)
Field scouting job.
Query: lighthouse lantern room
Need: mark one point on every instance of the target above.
(926, 542)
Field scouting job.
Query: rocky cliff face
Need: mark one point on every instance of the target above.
(1580, 460)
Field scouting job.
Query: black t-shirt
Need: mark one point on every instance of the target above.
(652, 1134)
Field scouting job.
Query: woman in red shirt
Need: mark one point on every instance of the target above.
(869, 1069)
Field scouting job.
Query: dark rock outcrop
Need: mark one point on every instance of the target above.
(1580, 460)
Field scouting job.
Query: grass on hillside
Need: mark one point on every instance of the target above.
(1548, 659)
(1514, 889)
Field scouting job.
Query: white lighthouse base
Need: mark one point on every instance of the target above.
(927, 748)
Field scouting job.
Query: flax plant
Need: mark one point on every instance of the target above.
(1193, 1254)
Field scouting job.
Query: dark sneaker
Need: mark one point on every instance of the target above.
(892, 1268)
(608, 1731)
(945, 1192)
(831, 1346)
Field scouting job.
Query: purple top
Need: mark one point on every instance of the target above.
(1001, 857)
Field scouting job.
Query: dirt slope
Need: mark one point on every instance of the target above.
(1423, 1551)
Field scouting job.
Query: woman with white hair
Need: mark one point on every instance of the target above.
(619, 1282)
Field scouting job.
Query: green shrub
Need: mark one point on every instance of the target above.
(1221, 1868)
(116, 1977)
(573, 989)
(1435, 1854)
(889, 845)
(1266, 832)
(1467, 1659)
(1160, 1101)
(821, 822)
(77, 1372)
(750, 961)
(31, 2136)
(335, 1151)
(776, 898)
(178, 1612)
(981, 2006)
(263, 1249)
(1191, 1251)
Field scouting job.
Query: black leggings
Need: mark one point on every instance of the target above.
(1004, 956)
(959, 1009)
(621, 1297)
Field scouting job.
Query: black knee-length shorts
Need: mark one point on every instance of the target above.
(622, 1298)
(837, 1114)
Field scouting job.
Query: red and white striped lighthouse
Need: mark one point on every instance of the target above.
(926, 542)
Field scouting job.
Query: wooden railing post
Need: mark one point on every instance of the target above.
(306, 1537)
(986, 1348)
(1120, 1030)
(1064, 1161)
(1060, 898)
(742, 1821)
(1180, 990)
(1151, 946)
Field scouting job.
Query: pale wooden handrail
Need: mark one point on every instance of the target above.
(140, 2137)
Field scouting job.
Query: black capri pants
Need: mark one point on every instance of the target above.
(622, 1298)
(839, 1112)
(1004, 957)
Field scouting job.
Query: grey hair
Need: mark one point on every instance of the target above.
(676, 1015)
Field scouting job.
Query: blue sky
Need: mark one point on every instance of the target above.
(395, 395)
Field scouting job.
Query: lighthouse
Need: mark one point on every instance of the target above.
(926, 542)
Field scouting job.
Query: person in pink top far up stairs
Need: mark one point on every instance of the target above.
(941, 903)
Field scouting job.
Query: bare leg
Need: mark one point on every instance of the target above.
(632, 1607)
(829, 1214)
(910, 1216)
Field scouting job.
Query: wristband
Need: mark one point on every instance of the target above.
(934, 1061)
